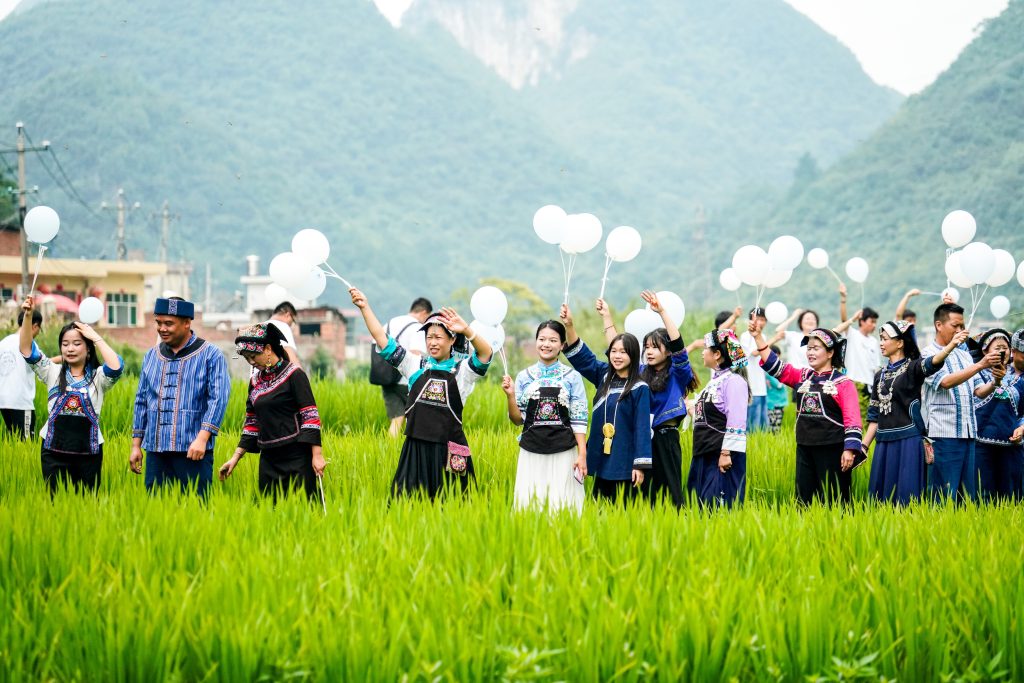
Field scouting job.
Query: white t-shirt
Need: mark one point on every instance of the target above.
(411, 340)
(755, 375)
(796, 353)
(863, 356)
(286, 332)
(17, 381)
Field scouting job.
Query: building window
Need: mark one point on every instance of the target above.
(122, 310)
(6, 294)
(309, 329)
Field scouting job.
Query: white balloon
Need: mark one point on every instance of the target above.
(1000, 306)
(785, 253)
(730, 280)
(1020, 274)
(776, 278)
(489, 305)
(642, 321)
(274, 294)
(311, 246)
(751, 264)
(776, 312)
(549, 223)
(958, 228)
(90, 310)
(955, 273)
(583, 233)
(857, 269)
(952, 292)
(314, 285)
(1003, 270)
(623, 244)
(41, 224)
(817, 258)
(494, 334)
(673, 305)
(288, 270)
(977, 262)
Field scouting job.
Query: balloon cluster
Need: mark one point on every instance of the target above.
(763, 270)
(298, 273)
(577, 234)
(41, 225)
(975, 265)
(489, 307)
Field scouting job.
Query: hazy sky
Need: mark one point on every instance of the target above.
(904, 44)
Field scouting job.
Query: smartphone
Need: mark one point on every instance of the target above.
(578, 473)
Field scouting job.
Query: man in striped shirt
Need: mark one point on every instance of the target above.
(180, 402)
(948, 409)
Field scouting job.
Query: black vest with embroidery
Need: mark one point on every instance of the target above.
(708, 425)
(546, 427)
(819, 418)
(434, 412)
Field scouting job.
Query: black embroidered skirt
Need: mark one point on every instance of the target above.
(422, 470)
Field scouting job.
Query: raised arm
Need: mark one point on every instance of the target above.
(842, 301)
(728, 323)
(939, 359)
(904, 301)
(373, 326)
(110, 358)
(670, 324)
(25, 333)
(786, 323)
(565, 315)
(843, 326)
(456, 324)
(606, 320)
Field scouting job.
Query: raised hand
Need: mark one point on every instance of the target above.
(652, 298)
(358, 298)
(27, 305)
(453, 321)
(601, 306)
(565, 315)
(959, 338)
(87, 332)
(507, 386)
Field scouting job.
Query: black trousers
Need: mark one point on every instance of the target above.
(20, 422)
(287, 468)
(80, 471)
(820, 476)
(666, 474)
(612, 489)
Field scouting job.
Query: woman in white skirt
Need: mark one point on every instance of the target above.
(550, 401)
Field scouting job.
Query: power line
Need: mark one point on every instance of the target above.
(69, 188)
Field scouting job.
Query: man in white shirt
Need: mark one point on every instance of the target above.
(863, 355)
(757, 411)
(406, 331)
(283, 319)
(18, 382)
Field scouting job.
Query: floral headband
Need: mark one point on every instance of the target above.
(826, 337)
(252, 338)
(897, 329)
(992, 335)
(725, 340)
(1017, 342)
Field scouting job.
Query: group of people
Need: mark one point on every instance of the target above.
(948, 416)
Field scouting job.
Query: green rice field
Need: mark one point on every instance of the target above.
(122, 586)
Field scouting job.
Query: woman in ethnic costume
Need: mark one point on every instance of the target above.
(72, 442)
(998, 456)
(282, 422)
(898, 468)
(828, 427)
(619, 445)
(670, 378)
(718, 470)
(549, 400)
(435, 454)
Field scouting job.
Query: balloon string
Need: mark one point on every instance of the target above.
(39, 263)
(565, 274)
(568, 276)
(974, 308)
(862, 297)
(834, 274)
(504, 360)
(334, 273)
(604, 278)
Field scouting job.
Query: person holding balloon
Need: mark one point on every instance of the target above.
(72, 449)
(549, 400)
(1000, 418)
(828, 420)
(436, 454)
(670, 378)
(894, 421)
(718, 469)
(619, 445)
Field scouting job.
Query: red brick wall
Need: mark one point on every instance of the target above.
(10, 243)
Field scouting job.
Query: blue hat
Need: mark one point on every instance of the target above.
(176, 307)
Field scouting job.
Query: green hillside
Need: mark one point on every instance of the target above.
(423, 166)
(957, 145)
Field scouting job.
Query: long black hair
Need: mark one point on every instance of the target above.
(557, 327)
(632, 348)
(657, 379)
(92, 360)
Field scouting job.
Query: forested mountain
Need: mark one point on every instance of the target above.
(419, 161)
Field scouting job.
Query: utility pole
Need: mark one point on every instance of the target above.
(122, 210)
(165, 239)
(23, 191)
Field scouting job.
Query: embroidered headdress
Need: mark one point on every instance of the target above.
(995, 333)
(1017, 342)
(726, 342)
(897, 329)
(832, 341)
(252, 338)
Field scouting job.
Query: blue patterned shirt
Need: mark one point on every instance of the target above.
(949, 413)
(179, 395)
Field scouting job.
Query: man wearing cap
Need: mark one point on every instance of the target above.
(180, 402)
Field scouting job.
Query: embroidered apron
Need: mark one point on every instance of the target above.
(546, 428)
